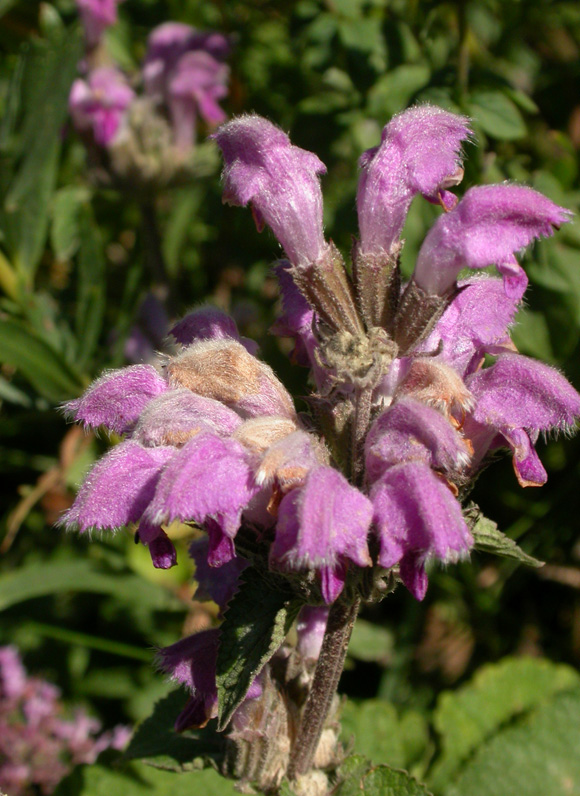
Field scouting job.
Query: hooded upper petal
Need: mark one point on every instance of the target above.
(487, 227)
(519, 392)
(419, 153)
(119, 487)
(117, 398)
(280, 181)
(208, 478)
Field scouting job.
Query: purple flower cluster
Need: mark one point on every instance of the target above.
(183, 76)
(39, 745)
(417, 385)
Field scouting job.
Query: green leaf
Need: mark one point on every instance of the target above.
(489, 539)
(380, 734)
(91, 287)
(138, 779)
(497, 115)
(467, 717)
(536, 758)
(52, 68)
(374, 724)
(40, 580)
(256, 622)
(393, 92)
(45, 368)
(359, 776)
(65, 235)
(156, 742)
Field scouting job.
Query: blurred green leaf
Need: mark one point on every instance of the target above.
(65, 234)
(535, 758)
(91, 287)
(45, 368)
(55, 577)
(497, 115)
(393, 91)
(255, 624)
(27, 203)
(499, 692)
(374, 724)
(370, 642)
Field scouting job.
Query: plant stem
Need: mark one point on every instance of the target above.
(360, 424)
(154, 257)
(330, 664)
(463, 54)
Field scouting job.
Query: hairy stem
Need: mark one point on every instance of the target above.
(360, 425)
(326, 676)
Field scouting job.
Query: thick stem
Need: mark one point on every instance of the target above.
(326, 676)
(360, 425)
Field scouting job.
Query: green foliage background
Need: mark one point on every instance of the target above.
(74, 267)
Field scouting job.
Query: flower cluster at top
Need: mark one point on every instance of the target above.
(39, 745)
(416, 386)
(183, 78)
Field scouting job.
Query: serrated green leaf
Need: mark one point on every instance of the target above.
(385, 781)
(497, 115)
(91, 287)
(40, 580)
(467, 717)
(489, 539)
(256, 622)
(359, 776)
(536, 758)
(45, 368)
(156, 742)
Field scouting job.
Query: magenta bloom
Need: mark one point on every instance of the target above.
(40, 740)
(97, 16)
(98, 105)
(184, 69)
